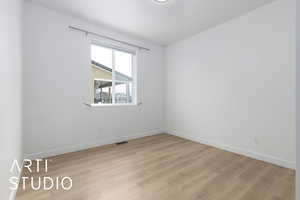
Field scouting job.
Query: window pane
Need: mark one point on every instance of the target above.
(123, 66)
(102, 92)
(123, 92)
(101, 55)
(112, 76)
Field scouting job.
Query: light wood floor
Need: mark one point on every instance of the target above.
(164, 167)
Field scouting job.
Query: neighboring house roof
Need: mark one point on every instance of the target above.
(119, 76)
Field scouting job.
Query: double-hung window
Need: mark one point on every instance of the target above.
(113, 75)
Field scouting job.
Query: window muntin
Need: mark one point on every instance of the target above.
(112, 76)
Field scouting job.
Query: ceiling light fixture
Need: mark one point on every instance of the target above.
(161, 1)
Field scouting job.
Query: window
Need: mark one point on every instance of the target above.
(113, 76)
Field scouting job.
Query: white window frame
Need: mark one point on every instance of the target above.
(134, 81)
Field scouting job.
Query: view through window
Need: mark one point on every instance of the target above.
(112, 76)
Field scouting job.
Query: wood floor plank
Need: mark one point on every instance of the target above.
(162, 167)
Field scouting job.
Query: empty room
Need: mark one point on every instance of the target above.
(148, 99)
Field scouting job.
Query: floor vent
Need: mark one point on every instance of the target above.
(120, 143)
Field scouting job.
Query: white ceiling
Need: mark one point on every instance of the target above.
(161, 23)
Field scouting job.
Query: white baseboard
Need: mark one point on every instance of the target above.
(251, 154)
(74, 148)
(13, 193)
(255, 155)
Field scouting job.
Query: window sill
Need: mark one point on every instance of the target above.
(111, 105)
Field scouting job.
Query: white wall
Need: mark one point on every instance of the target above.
(298, 100)
(10, 90)
(233, 86)
(55, 118)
